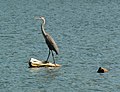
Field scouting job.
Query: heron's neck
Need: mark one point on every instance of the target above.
(42, 28)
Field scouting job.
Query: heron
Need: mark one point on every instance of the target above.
(49, 41)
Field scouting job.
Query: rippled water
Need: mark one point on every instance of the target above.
(86, 31)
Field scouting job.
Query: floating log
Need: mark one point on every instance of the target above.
(37, 63)
(102, 70)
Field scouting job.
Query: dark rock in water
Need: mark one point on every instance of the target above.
(102, 70)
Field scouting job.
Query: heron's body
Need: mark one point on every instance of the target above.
(49, 41)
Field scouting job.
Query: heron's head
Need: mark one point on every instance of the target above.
(40, 18)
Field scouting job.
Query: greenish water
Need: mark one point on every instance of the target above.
(86, 31)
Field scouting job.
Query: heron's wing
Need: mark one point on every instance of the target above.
(51, 43)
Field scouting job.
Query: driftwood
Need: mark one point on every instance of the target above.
(37, 63)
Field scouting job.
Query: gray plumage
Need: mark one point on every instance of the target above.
(49, 40)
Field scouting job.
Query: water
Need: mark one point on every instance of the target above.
(86, 31)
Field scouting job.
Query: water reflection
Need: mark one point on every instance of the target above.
(37, 69)
(46, 72)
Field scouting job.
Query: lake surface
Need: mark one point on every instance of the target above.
(86, 31)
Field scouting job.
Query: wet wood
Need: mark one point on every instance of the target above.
(38, 63)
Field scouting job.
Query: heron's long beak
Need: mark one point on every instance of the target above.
(37, 17)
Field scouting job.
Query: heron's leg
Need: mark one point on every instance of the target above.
(53, 57)
(48, 57)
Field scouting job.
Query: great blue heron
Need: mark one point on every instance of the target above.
(49, 41)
